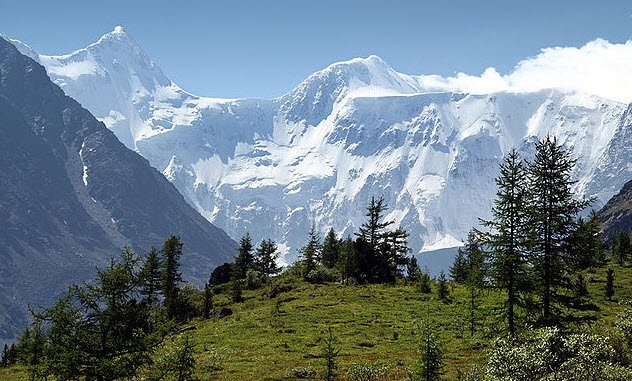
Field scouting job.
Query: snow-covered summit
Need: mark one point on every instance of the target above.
(353, 130)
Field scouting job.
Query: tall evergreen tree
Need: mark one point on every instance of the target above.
(151, 277)
(330, 250)
(552, 212)
(172, 277)
(622, 247)
(458, 269)
(609, 287)
(266, 256)
(310, 253)
(245, 258)
(380, 252)
(431, 361)
(585, 245)
(506, 238)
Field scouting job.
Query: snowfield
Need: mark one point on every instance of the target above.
(354, 130)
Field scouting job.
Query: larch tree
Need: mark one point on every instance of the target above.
(552, 211)
(506, 236)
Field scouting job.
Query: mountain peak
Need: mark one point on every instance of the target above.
(117, 35)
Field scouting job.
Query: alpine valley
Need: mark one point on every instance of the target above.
(356, 129)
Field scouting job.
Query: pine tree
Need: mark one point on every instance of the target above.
(458, 270)
(330, 250)
(330, 353)
(151, 277)
(552, 212)
(431, 361)
(623, 248)
(609, 288)
(310, 253)
(413, 270)
(185, 367)
(347, 262)
(442, 287)
(380, 252)
(172, 277)
(424, 284)
(245, 258)
(506, 238)
(265, 258)
(585, 244)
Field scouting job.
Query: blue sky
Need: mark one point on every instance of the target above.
(265, 48)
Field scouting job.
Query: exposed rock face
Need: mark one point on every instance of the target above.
(72, 196)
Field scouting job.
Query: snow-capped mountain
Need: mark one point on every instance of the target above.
(351, 131)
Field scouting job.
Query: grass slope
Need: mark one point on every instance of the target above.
(266, 338)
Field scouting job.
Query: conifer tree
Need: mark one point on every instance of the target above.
(330, 250)
(380, 252)
(431, 361)
(245, 258)
(310, 253)
(442, 287)
(507, 237)
(265, 258)
(151, 277)
(552, 212)
(623, 248)
(208, 300)
(330, 353)
(172, 277)
(609, 287)
(585, 245)
(347, 262)
(413, 270)
(458, 270)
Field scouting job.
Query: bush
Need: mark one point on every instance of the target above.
(255, 279)
(322, 274)
(365, 372)
(302, 373)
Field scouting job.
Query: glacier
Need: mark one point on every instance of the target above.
(356, 129)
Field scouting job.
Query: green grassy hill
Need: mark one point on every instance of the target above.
(378, 325)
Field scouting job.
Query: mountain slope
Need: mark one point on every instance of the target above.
(351, 131)
(73, 195)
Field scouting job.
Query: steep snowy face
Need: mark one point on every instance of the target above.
(354, 130)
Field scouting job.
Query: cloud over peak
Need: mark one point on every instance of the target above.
(599, 67)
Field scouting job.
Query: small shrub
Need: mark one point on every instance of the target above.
(303, 373)
(365, 372)
(322, 274)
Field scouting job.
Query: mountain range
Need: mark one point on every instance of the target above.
(356, 129)
(73, 196)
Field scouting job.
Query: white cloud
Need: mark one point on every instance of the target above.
(599, 67)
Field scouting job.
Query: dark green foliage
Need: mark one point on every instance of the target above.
(151, 277)
(585, 245)
(208, 300)
(431, 358)
(330, 353)
(310, 253)
(265, 258)
(609, 287)
(413, 270)
(245, 258)
(551, 219)
(580, 290)
(380, 253)
(424, 284)
(221, 274)
(185, 366)
(458, 270)
(348, 261)
(622, 247)
(442, 288)
(172, 277)
(236, 289)
(330, 250)
(507, 238)
(99, 330)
